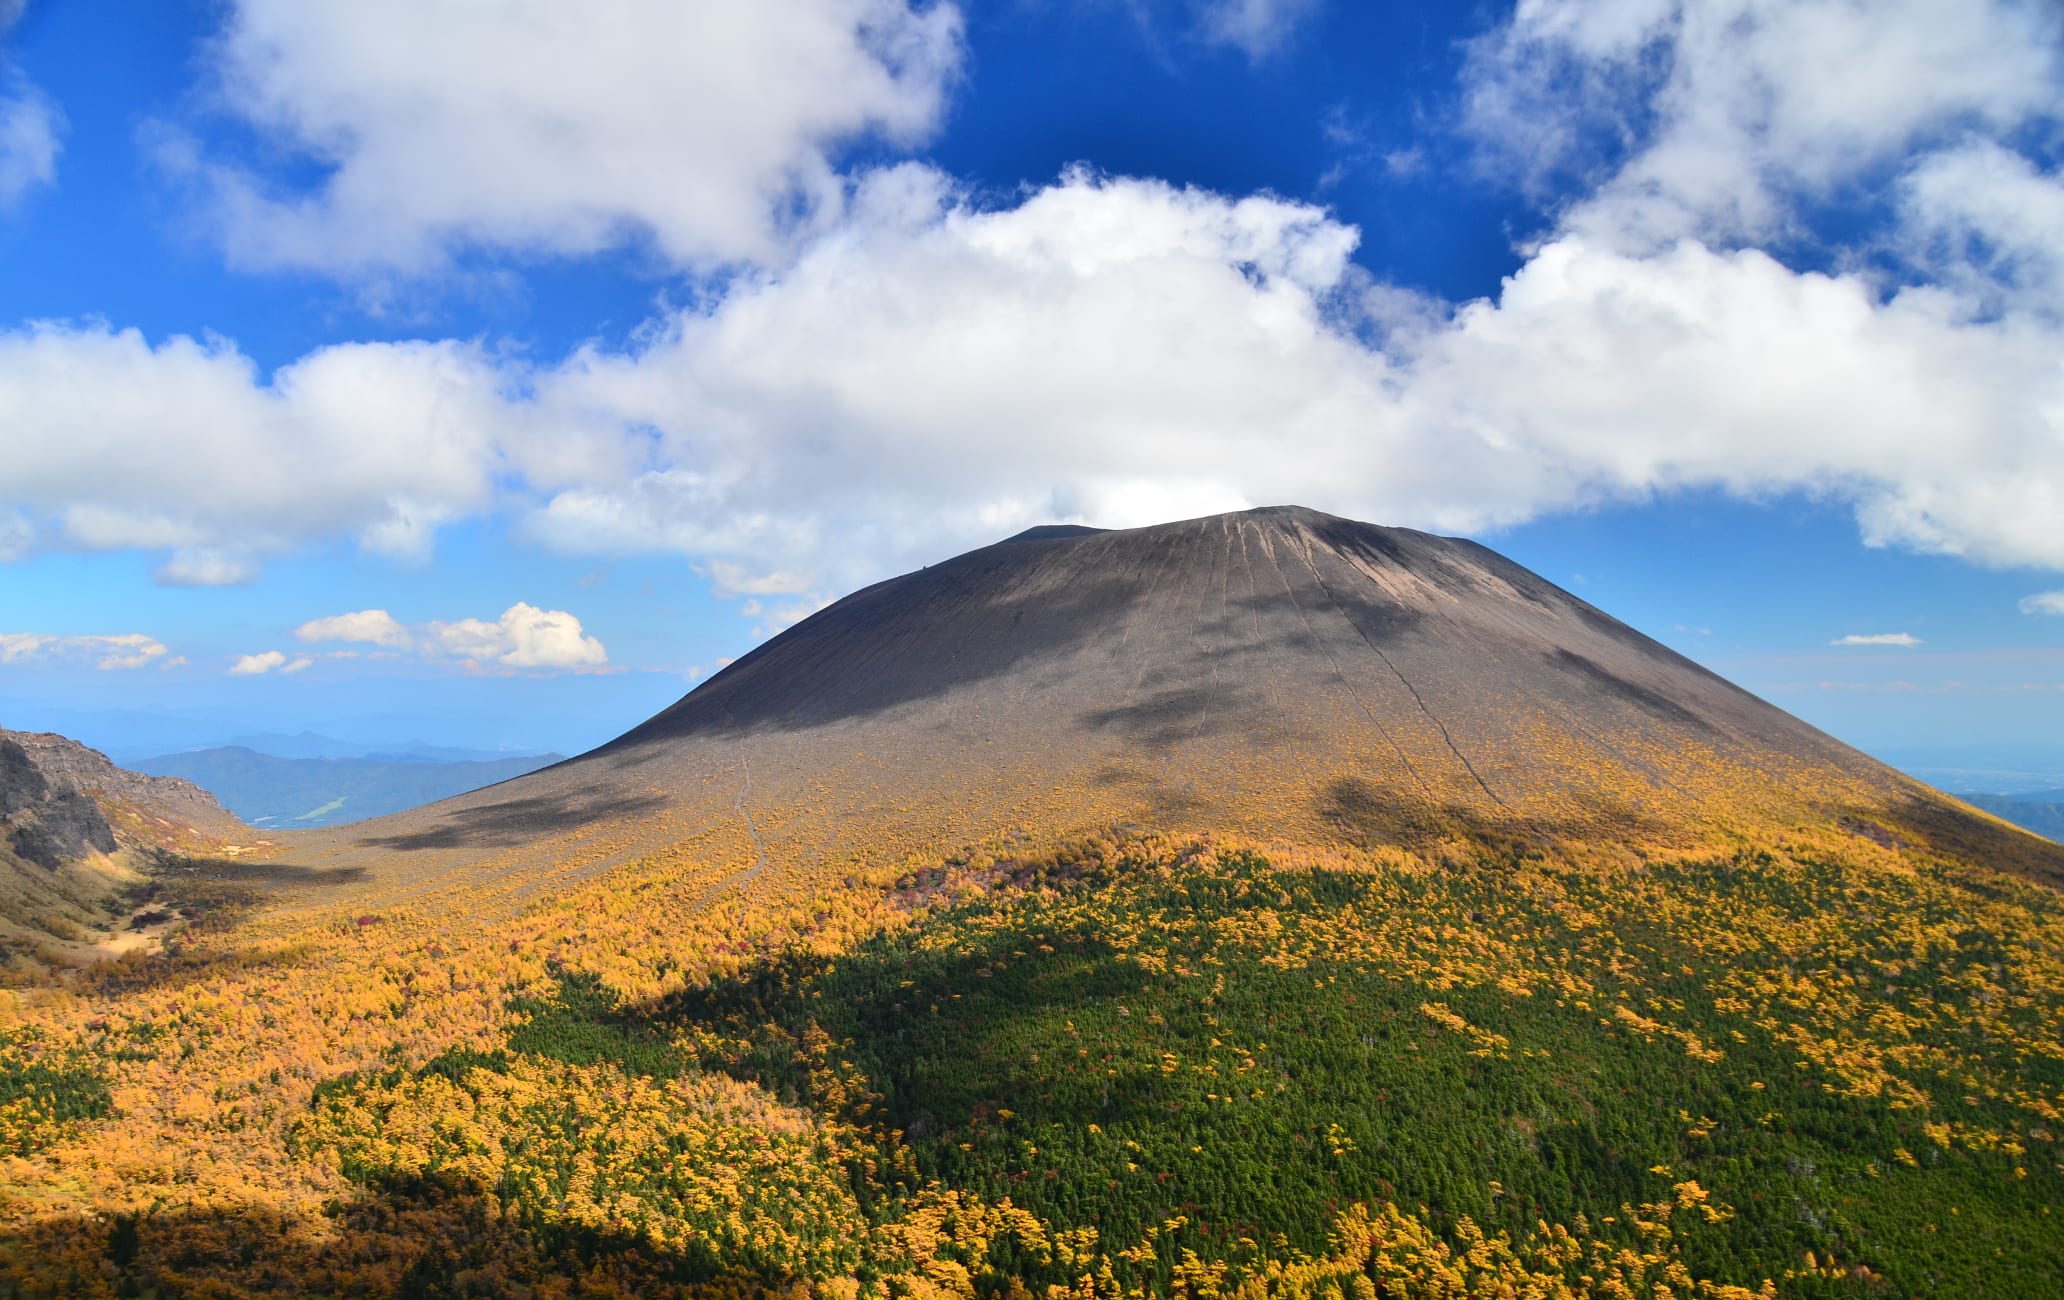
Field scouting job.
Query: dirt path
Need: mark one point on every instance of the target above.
(751, 828)
(759, 863)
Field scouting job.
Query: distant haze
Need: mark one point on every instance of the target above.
(277, 793)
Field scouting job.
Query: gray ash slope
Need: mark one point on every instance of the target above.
(1279, 671)
(1145, 619)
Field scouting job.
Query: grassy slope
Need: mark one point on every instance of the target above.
(1829, 1059)
(1831, 1076)
(1251, 1049)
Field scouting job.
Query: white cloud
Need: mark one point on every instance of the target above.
(548, 638)
(201, 568)
(729, 580)
(371, 626)
(257, 665)
(31, 128)
(1991, 223)
(524, 637)
(711, 129)
(1257, 28)
(129, 651)
(2043, 602)
(1878, 638)
(1131, 352)
(1708, 118)
(780, 615)
(1618, 375)
(120, 443)
(924, 372)
(935, 375)
(1101, 337)
(113, 653)
(19, 647)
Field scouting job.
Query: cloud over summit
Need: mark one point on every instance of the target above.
(899, 365)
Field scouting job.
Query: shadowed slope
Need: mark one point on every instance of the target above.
(1279, 671)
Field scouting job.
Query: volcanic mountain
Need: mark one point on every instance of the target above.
(1262, 905)
(1277, 671)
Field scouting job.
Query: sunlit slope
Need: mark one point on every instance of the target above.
(1279, 672)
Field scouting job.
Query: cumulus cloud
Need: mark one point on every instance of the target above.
(1128, 352)
(524, 637)
(1878, 638)
(268, 661)
(125, 444)
(2044, 602)
(369, 626)
(710, 130)
(200, 568)
(923, 371)
(1132, 352)
(128, 651)
(1711, 118)
(1989, 222)
(113, 653)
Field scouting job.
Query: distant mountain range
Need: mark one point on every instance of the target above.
(310, 744)
(292, 793)
(2041, 811)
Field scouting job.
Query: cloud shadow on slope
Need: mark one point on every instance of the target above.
(1172, 716)
(515, 821)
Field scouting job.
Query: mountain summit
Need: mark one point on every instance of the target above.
(1278, 671)
(1429, 666)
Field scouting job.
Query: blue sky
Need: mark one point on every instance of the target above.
(587, 349)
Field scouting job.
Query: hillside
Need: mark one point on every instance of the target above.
(78, 839)
(1264, 904)
(305, 793)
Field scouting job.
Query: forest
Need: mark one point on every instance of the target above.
(1119, 1065)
